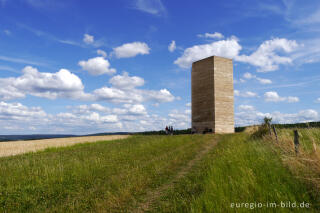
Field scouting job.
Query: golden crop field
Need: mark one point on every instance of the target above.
(20, 147)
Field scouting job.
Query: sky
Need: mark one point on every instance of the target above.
(79, 67)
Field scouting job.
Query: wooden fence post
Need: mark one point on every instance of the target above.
(296, 141)
(275, 132)
(269, 125)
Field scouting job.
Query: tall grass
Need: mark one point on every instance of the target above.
(100, 177)
(116, 176)
(306, 163)
(238, 170)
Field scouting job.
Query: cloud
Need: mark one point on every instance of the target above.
(95, 117)
(245, 118)
(301, 15)
(17, 117)
(48, 36)
(291, 99)
(64, 84)
(115, 95)
(124, 90)
(84, 109)
(215, 35)
(97, 66)
(48, 85)
(160, 96)
(127, 116)
(188, 104)
(265, 56)
(172, 46)
(246, 94)
(83, 119)
(70, 42)
(248, 75)
(125, 81)
(264, 81)
(179, 119)
(129, 50)
(313, 18)
(88, 39)
(273, 96)
(8, 91)
(21, 61)
(318, 100)
(245, 108)
(135, 109)
(102, 53)
(8, 68)
(154, 7)
(18, 111)
(228, 48)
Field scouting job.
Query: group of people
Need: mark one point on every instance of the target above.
(169, 130)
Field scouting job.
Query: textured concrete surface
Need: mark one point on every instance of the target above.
(212, 95)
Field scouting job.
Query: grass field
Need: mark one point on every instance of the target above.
(187, 173)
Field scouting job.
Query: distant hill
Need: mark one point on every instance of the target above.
(110, 133)
(31, 137)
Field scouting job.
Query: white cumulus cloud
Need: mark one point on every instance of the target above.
(160, 96)
(49, 85)
(17, 111)
(129, 50)
(273, 96)
(125, 81)
(266, 58)
(228, 48)
(97, 66)
(248, 76)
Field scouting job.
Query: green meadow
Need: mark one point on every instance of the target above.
(182, 173)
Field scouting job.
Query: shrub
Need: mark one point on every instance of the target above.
(263, 128)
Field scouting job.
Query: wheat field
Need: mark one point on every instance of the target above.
(20, 147)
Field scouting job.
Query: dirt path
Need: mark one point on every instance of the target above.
(152, 196)
(20, 147)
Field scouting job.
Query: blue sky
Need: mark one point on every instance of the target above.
(101, 66)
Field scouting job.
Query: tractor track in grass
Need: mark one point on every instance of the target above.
(153, 195)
